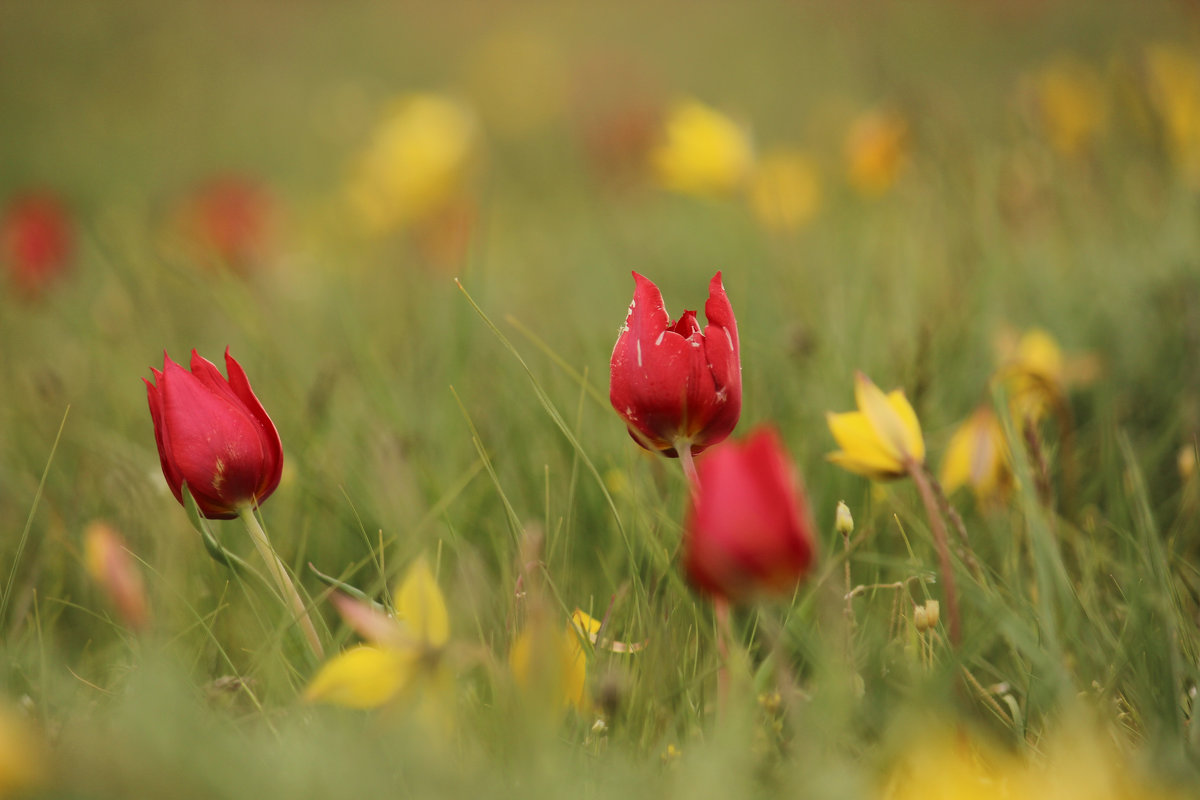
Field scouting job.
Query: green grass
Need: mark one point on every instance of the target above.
(413, 426)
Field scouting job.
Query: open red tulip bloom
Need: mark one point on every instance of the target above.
(213, 435)
(673, 384)
(748, 529)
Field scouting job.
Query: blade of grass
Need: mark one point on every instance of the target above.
(37, 499)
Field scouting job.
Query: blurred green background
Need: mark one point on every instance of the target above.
(378, 373)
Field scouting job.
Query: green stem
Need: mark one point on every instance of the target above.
(937, 526)
(286, 588)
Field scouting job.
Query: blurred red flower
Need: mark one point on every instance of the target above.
(231, 218)
(213, 435)
(748, 528)
(674, 385)
(36, 240)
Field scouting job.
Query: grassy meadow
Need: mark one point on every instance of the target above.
(413, 224)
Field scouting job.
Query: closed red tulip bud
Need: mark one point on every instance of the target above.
(36, 240)
(213, 435)
(673, 384)
(748, 529)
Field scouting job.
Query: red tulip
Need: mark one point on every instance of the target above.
(672, 384)
(213, 435)
(36, 241)
(748, 528)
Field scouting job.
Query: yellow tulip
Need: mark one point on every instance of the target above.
(977, 456)
(417, 163)
(405, 651)
(1034, 375)
(877, 147)
(703, 152)
(881, 440)
(547, 659)
(1173, 78)
(1071, 105)
(941, 765)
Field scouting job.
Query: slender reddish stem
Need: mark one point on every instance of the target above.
(684, 448)
(938, 527)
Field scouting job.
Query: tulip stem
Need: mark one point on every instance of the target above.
(288, 589)
(937, 527)
(684, 448)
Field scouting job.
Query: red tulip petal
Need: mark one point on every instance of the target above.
(272, 445)
(215, 443)
(160, 440)
(750, 527)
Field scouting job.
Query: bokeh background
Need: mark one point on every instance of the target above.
(898, 187)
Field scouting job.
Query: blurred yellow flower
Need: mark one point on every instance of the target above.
(1077, 763)
(785, 190)
(1173, 78)
(877, 151)
(1185, 461)
(1033, 372)
(942, 765)
(22, 754)
(977, 456)
(703, 151)
(405, 651)
(881, 440)
(418, 162)
(1071, 105)
(551, 661)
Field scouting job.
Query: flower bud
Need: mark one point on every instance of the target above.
(748, 528)
(109, 564)
(843, 522)
(927, 616)
(213, 435)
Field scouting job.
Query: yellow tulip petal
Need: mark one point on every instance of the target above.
(861, 452)
(914, 442)
(854, 434)
(551, 663)
(421, 606)
(977, 454)
(362, 677)
(894, 431)
(956, 463)
(868, 469)
(574, 662)
(586, 624)
(1039, 354)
